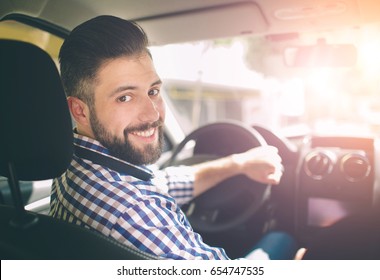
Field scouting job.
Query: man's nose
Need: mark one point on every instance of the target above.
(149, 111)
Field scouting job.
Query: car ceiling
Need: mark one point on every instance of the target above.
(169, 21)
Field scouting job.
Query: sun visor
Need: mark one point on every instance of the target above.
(212, 22)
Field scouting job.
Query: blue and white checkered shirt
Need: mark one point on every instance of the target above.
(142, 214)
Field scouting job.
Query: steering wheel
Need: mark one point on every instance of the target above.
(234, 201)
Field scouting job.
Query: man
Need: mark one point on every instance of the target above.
(114, 97)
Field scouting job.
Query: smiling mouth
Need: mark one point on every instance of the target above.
(144, 133)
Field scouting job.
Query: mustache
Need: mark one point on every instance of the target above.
(144, 126)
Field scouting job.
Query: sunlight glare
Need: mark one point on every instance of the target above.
(370, 57)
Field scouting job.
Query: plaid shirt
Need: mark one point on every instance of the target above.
(142, 214)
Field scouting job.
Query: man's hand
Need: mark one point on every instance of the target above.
(262, 164)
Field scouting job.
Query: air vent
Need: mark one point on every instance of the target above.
(318, 164)
(355, 167)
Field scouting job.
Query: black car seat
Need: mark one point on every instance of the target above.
(36, 144)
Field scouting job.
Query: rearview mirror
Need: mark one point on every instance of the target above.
(321, 55)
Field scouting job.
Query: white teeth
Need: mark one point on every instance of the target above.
(145, 133)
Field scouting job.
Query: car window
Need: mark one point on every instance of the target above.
(245, 78)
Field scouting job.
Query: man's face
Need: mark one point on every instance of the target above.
(129, 111)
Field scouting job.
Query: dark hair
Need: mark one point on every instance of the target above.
(92, 43)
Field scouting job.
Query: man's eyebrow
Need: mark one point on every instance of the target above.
(126, 87)
(121, 89)
(158, 82)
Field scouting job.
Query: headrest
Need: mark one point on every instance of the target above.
(35, 124)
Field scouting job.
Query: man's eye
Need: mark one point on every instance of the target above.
(124, 98)
(154, 91)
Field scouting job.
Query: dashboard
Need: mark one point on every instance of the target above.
(337, 177)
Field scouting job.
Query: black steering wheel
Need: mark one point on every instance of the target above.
(235, 200)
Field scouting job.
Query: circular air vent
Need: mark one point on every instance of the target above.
(318, 164)
(355, 167)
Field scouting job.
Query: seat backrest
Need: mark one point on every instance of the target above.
(36, 143)
(37, 134)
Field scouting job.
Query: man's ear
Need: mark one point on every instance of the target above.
(79, 110)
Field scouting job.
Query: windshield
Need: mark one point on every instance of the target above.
(245, 78)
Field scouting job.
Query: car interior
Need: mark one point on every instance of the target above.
(312, 92)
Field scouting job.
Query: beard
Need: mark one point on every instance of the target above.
(124, 148)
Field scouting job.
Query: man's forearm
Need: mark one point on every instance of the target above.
(211, 173)
(262, 164)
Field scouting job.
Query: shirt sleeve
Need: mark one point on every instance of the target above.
(179, 181)
(162, 230)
